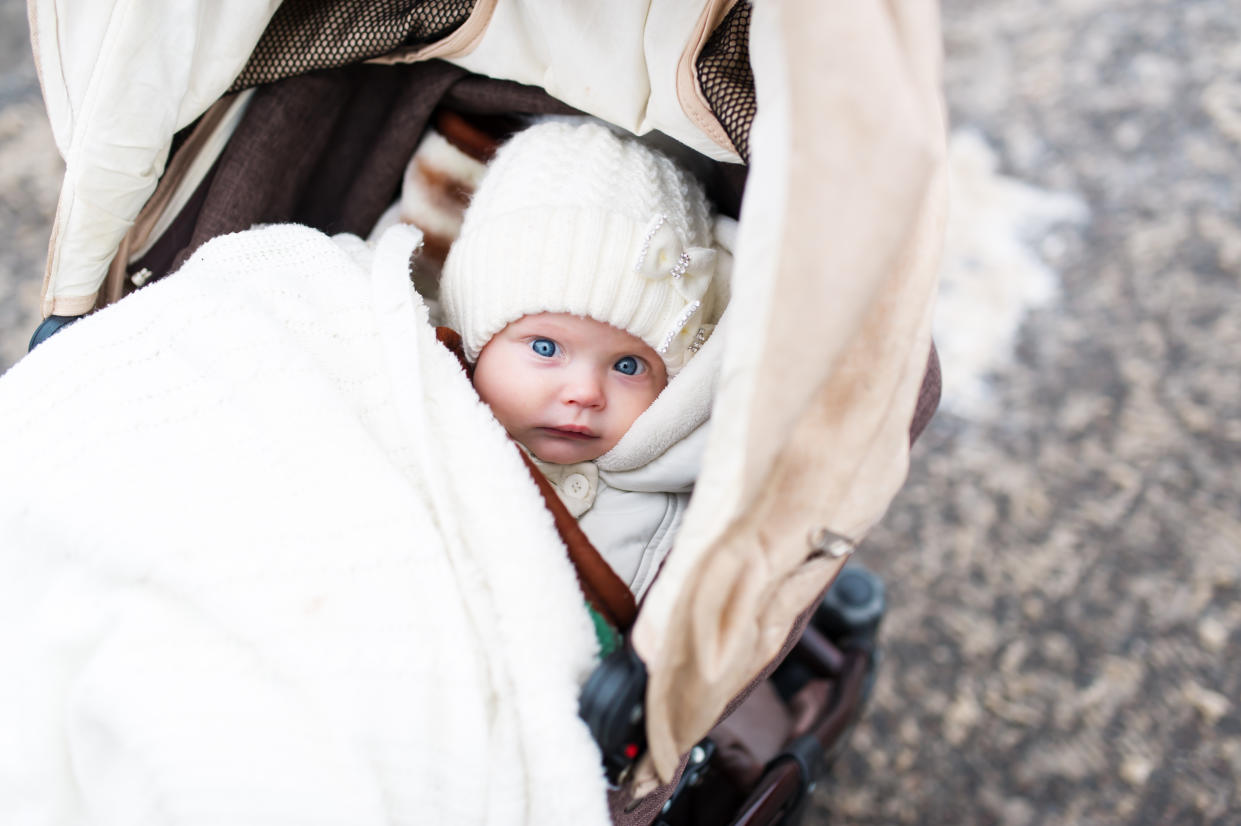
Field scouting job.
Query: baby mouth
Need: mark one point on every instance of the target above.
(570, 431)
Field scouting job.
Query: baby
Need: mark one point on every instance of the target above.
(583, 280)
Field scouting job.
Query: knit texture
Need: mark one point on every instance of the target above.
(266, 559)
(572, 217)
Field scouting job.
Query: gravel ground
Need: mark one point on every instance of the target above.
(1062, 572)
(1062, 568)
(30, 171)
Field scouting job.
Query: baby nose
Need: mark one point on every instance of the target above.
(584, 388)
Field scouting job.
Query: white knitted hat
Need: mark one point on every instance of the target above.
(574, 218)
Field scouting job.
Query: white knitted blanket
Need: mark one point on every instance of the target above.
(266, 559)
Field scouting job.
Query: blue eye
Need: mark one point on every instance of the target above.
(545, 347)
(628, 365)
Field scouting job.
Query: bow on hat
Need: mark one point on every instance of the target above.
(664, 256)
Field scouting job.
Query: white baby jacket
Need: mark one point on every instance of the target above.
(632, 515)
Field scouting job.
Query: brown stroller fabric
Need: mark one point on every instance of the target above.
(342, 140)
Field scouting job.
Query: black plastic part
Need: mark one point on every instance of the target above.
(853, 607)
(808, 753)
(696, 769)
(849, 616)
(51, 325)
(613, 707)
(856, 590)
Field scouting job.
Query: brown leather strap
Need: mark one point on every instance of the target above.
(605, 591)
(451, 339)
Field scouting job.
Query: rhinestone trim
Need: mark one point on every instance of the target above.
(681, 320)
(660, 220)
(681, 265)
(700, 338)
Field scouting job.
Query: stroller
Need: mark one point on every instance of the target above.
(820, 127)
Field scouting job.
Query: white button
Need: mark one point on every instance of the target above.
(575, 485)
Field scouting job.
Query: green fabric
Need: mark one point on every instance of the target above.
(609, 638)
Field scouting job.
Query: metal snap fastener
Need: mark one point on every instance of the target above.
(829, 543)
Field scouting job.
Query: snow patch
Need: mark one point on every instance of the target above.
(993, 272)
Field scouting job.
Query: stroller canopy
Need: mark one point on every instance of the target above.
(836, 108)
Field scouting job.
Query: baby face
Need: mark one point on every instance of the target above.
(567, 387)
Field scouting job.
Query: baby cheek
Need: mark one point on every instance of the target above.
(493, 389)
(637, 400)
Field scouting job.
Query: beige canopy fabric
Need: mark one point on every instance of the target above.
(835, 267)
(119, 78)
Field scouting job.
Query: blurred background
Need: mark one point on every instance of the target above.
(1063, 569)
